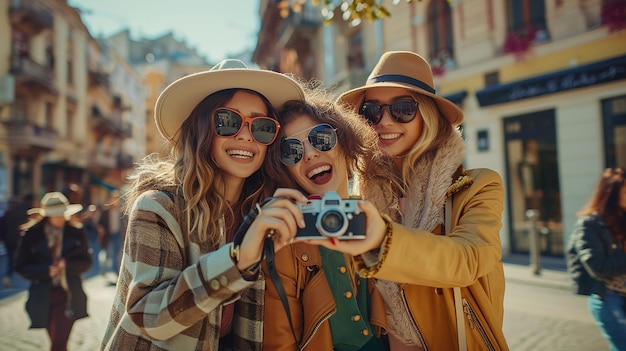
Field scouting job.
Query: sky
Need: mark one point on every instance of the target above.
(217, 29)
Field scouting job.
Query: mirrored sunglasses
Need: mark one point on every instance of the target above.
(322, 137)
(402, 111)
(229, 123)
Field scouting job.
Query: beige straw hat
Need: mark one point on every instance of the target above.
(55, 204)
(408, 70)
(180, 98)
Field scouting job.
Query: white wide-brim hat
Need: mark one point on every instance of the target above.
(55, 204)
(178, 100)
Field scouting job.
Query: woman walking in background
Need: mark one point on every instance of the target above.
(597, 256)
(53, 253)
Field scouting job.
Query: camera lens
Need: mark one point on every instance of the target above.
(332, 223)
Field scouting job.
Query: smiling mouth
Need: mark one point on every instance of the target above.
(318, 171)
(240, 153)
(389, 136)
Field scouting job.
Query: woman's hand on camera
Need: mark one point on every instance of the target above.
(374, 234)
(279, 219)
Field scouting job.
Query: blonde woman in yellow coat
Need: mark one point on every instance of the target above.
(416, 264)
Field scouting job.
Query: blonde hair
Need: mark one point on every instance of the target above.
(435, 131)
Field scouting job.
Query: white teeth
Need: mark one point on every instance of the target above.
(389, 136)
(240, 153)
(318, 170)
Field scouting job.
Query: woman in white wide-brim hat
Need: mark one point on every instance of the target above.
(436, 258)
(183, 283)
(52, 253)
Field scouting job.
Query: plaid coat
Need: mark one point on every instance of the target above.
(172, 286)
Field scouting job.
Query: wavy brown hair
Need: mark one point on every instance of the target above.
(358, 143)
(605, 202)
(192, 172)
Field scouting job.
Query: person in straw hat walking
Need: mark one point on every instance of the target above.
(52, 253)
(183, 283)
(436, 259)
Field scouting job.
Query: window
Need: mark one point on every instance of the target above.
(614, 119)
(492, 78)
(523, 13)
(441, 36)
(329, 52)
(70, 71)
(355, 53)
(70, 124)
(49, 115)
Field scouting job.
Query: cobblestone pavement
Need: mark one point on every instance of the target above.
(87, 332)
(564, 325)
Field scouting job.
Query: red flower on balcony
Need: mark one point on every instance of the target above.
(519, 41)
(613, 15)
(441, 62)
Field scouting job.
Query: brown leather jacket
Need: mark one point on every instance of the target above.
(310, 301)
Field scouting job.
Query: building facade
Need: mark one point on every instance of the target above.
(64, 117)
(541, 84)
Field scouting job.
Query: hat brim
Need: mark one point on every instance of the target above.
(176, 102)
(67, 211)
(447, 108)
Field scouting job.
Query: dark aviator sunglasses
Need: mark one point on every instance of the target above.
(402, 111)
(229, 123)
(322, 137)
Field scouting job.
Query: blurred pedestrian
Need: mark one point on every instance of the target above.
(14, 216)
(109, 235)
(597, 256)
(88, 216)
(52, 253)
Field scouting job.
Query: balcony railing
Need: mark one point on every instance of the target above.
(97, 77)
(27, 71)
(25, 134)
(109, 124)
(304, 22)
(30, 16)
(125, 161)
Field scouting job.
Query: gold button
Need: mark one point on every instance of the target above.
(365, 332)
(358, 283)
(223, 280)
(305, 257)
(348, 294)
(356, 318)
(342, 269)
(215, 285)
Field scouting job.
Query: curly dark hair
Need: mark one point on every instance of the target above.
(369, 167)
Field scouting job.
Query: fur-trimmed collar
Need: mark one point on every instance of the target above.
(439, 174)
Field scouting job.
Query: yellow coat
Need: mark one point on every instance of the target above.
(430, 264)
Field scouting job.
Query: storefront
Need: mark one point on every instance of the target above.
(557, 131)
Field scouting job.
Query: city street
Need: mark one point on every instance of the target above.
(541, 314)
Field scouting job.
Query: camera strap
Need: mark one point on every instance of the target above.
(268, 249)
(268, 254)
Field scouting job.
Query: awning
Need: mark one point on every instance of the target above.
(457, 97)
(568, 79)
(101, 183)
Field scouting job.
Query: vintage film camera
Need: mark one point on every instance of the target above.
(332, 217)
